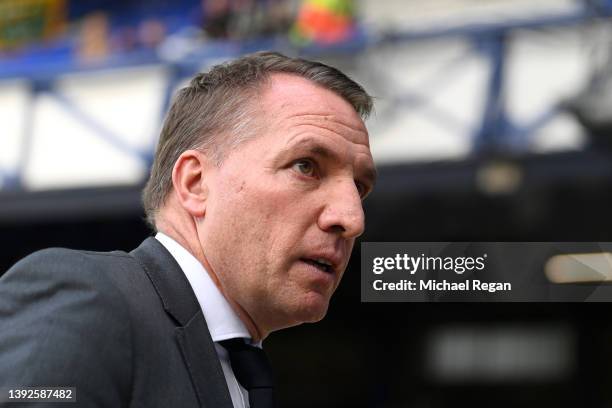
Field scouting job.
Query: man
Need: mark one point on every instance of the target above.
(256, 196)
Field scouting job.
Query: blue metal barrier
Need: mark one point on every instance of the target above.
(495, 131)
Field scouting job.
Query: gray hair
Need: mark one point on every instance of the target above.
(215, 113)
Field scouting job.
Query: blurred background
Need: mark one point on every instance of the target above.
(493, 123)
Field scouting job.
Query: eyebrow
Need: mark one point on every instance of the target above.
(315, 148)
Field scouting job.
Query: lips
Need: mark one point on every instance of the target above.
(320, 263)
(329, 262)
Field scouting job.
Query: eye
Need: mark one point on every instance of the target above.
(305, 167)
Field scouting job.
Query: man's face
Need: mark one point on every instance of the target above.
(286, 203)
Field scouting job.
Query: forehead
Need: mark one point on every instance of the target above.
(293, 101)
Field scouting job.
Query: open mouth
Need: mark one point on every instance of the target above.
(320, 264)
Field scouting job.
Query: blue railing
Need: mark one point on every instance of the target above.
(495, 131)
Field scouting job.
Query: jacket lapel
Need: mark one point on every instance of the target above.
(192, 335)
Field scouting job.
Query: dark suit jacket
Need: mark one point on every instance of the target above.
(125, 329)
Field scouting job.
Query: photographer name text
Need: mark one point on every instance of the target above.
(441, 285)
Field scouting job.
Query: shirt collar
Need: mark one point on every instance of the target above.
(222, 321)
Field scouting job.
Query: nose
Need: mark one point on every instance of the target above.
(343, 212)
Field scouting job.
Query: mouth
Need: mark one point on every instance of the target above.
(320, 263)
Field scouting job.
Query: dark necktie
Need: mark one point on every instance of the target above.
(253, 372)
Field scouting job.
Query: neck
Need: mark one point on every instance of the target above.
(195, 248)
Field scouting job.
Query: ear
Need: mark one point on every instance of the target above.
(190, 177)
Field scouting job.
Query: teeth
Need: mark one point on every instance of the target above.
(323, 261)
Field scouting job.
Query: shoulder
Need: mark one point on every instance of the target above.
(104, 282)
(63, 259)
(64, 307)
(78, 282)
(61, 264)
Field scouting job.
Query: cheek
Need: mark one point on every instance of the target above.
(265, 206)
(261, 220)
(246, 223)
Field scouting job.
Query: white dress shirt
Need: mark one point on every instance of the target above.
(221, 320)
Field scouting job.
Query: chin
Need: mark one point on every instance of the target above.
(312, 309)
